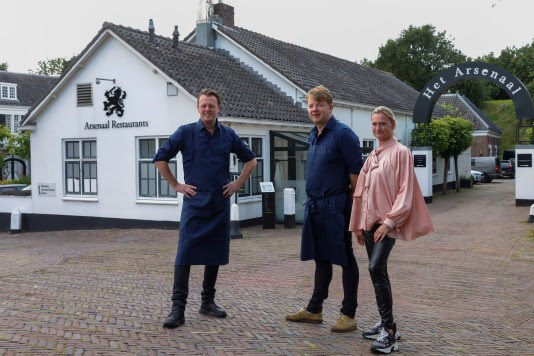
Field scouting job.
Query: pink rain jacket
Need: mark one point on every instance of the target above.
(388, 192)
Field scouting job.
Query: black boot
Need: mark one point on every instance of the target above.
(212, 309)
(175, 318)
(208, 306)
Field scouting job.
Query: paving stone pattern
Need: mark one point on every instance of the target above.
(467, 289)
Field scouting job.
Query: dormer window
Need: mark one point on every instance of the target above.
(8, 91)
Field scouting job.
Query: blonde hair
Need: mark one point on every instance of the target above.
(386, 111)
(320, 93)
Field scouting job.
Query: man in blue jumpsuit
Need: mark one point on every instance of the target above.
(205, 221)
(333, 164)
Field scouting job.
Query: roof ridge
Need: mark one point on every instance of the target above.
(111, 26)
(298, 46)
(31, 74)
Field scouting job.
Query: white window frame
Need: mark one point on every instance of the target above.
(261, 163)
(10, 89)
(87, 182)
(13, 122)
(159, 180)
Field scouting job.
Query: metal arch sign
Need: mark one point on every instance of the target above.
(524, 108)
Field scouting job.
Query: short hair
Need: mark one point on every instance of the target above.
(320, 93)
(386, 111)
(209, 92)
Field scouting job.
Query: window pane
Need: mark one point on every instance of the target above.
(147, 180)
(16, 122)
(8, 122)
(257, 177)
(89, 149)
(72, 149)
(257, 147)
(147, 148)
(162, 141)
(72, 172)
(12, 93)
(4, 92)
(165, 190)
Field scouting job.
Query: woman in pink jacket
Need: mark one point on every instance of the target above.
(388, 205)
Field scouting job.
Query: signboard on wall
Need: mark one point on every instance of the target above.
(46, 189)
(419, 160)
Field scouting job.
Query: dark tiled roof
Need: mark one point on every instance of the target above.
(469, 111)
(243, 94)
(346, 80)
(30, 87)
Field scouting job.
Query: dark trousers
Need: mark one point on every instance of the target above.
(378, 254)
(350, 279)
(180, 289)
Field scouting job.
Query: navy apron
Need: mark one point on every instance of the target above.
(324, 225)
(205, 220)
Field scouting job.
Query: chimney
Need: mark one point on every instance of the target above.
(151, 35)
(175, 37)
(226, 13)
(204, 34)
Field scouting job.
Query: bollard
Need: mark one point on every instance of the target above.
(531, 217)
(16, 219)
(235, 233)
(289, 208)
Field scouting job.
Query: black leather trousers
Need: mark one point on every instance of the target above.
(180, 289)
(378, 254)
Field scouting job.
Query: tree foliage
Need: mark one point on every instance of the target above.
(519, 62)
(460, 139)
(16, 144)
(54, 66)
(420, 53)
(417, 55)
(3, 66)
(449, 137)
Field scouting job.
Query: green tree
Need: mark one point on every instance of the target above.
(519, 62)
(460, 139)
(3, 66)
(54, 66)
(17, 144)
(439, 141)
(5, 134)
(417, 55)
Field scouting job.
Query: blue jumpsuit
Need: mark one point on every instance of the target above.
(205, 220)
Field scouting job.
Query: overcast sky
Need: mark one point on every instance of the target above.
(34, 30)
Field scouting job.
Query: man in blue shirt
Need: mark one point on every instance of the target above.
(205, 221)
(333, 163)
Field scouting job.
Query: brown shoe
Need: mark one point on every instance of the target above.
(303, 316)
(344, 324)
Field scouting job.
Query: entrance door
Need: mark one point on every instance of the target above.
(288, 169)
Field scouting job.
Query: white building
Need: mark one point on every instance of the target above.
(93, 168)
(18, 92)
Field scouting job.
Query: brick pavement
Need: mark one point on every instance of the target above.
(467, 289)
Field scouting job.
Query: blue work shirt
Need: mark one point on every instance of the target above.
(219, 144)
(332, 157)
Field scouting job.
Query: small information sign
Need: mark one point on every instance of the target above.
(419, 160)
(524, 160)
(46, 189)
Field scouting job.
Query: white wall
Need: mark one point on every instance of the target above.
(10, 202)
(117, 186)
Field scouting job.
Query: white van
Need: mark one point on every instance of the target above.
(490, 166)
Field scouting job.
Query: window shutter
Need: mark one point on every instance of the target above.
(84, 95)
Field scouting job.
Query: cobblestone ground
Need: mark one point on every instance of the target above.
(467, 289)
